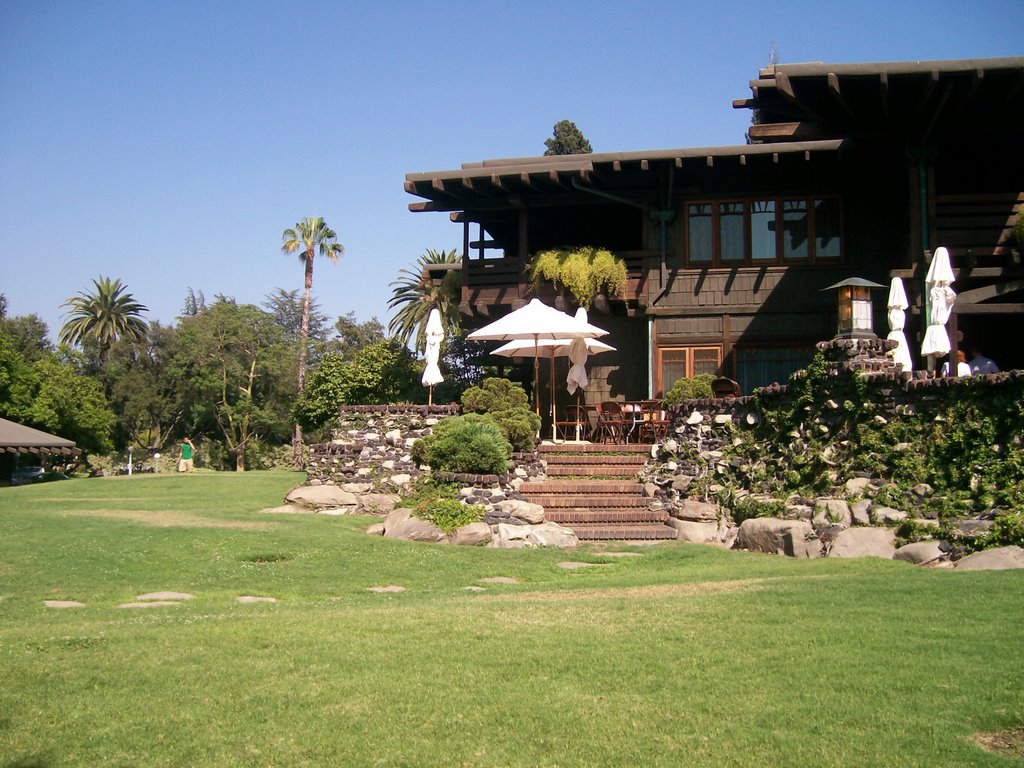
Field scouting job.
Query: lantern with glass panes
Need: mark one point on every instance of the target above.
(855, 309)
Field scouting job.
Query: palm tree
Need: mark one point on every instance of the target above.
(102, 317)
(414, 294)
(309, 236)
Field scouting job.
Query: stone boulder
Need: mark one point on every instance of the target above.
(376, 503)
(523, 536)
(692, 531)
(860, 511)
(832, 512)
(920, 553)
(471, 535)
(400, 524)
(779, 537)
(1001, 558)
(888, 515)
(533, 514)
(691, 509)
(864, 542)
(321, 497)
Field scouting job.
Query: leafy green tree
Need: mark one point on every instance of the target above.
(29, 335)
(383, 372)
(352, 336)
(309, 236)
(100, 318)
(567, 140)
(234, 368)
(414, 294)
(144, 392)
(50, 394)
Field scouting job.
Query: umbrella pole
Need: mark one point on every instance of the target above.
(536, 375)
(577, 416)
(554, 430)
(430, 395)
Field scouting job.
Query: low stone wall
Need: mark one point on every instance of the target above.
(372, 444)
(698, 461)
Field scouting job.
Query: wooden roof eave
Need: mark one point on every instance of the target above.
(446, 189)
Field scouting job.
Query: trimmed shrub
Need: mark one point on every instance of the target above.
(472, 443)
(506, 404)
(436, 503)
(690, 389)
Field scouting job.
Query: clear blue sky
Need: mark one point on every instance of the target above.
(169, 143)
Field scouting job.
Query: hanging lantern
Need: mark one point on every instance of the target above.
(855, 310)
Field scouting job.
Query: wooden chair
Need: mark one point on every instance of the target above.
(612, 423)
(575, 416)
(725, 387)
(655, 422)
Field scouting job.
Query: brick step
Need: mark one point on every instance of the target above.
(578, 501)
(582, 486)
(622, 531)
(634, 459)
(576, 515)
(605, 448)
(592, 470)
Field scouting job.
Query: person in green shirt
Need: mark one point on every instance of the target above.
(185, 454)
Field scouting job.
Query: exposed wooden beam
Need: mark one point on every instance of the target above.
(833, 88)
(524, 177)
(409, 187)
(743, 159)
(986, 292)
(795, 130)
(744, 104)
(988, 309)
(929, 90)
(645, 165)
(883, 91)
(467, 183)
(785, 86)
(437, 184)
(711, 161)
(484, 244)
(496, 181)
(617, 165)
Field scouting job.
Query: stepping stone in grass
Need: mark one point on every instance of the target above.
(150, 604)
(63, 604)
(388, 588)
(475, 589)
(165, 596)
(253, 599)
(499, 580)
(570, 566)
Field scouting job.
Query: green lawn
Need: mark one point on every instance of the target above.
(683, 656)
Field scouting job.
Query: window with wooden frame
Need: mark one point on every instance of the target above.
(762, 231)
(680, 362)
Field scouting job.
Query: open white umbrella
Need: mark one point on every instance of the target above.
(536, 322)
(435, 335)
(897, 306)
(940, 305)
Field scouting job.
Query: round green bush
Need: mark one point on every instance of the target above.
(689, 389)
(472, 443)
(493, 395)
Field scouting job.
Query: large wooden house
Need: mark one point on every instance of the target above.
(848, 170)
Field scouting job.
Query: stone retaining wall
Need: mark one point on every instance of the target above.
(372, 444)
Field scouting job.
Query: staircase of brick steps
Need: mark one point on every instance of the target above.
(595, 491)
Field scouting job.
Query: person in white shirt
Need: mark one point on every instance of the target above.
(962, 367)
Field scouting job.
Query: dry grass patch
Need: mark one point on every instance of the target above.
(617, 593)
(1009, 743)
(168, 518)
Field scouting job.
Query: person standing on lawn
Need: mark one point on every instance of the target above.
(185, 454)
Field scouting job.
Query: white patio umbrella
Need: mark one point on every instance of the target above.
(897, 306)
(435, 335)
(536, 322)
(940, 305)
(550, 349)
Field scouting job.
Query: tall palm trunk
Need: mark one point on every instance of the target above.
(303, 337)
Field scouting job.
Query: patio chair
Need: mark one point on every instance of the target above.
(655, 422)
(725, 387)
(612, 424)
(575, 415)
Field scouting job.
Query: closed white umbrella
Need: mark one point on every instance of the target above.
(897, 306)
(536, 322)
(435, 335)
(578, 352)
(941, 299)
